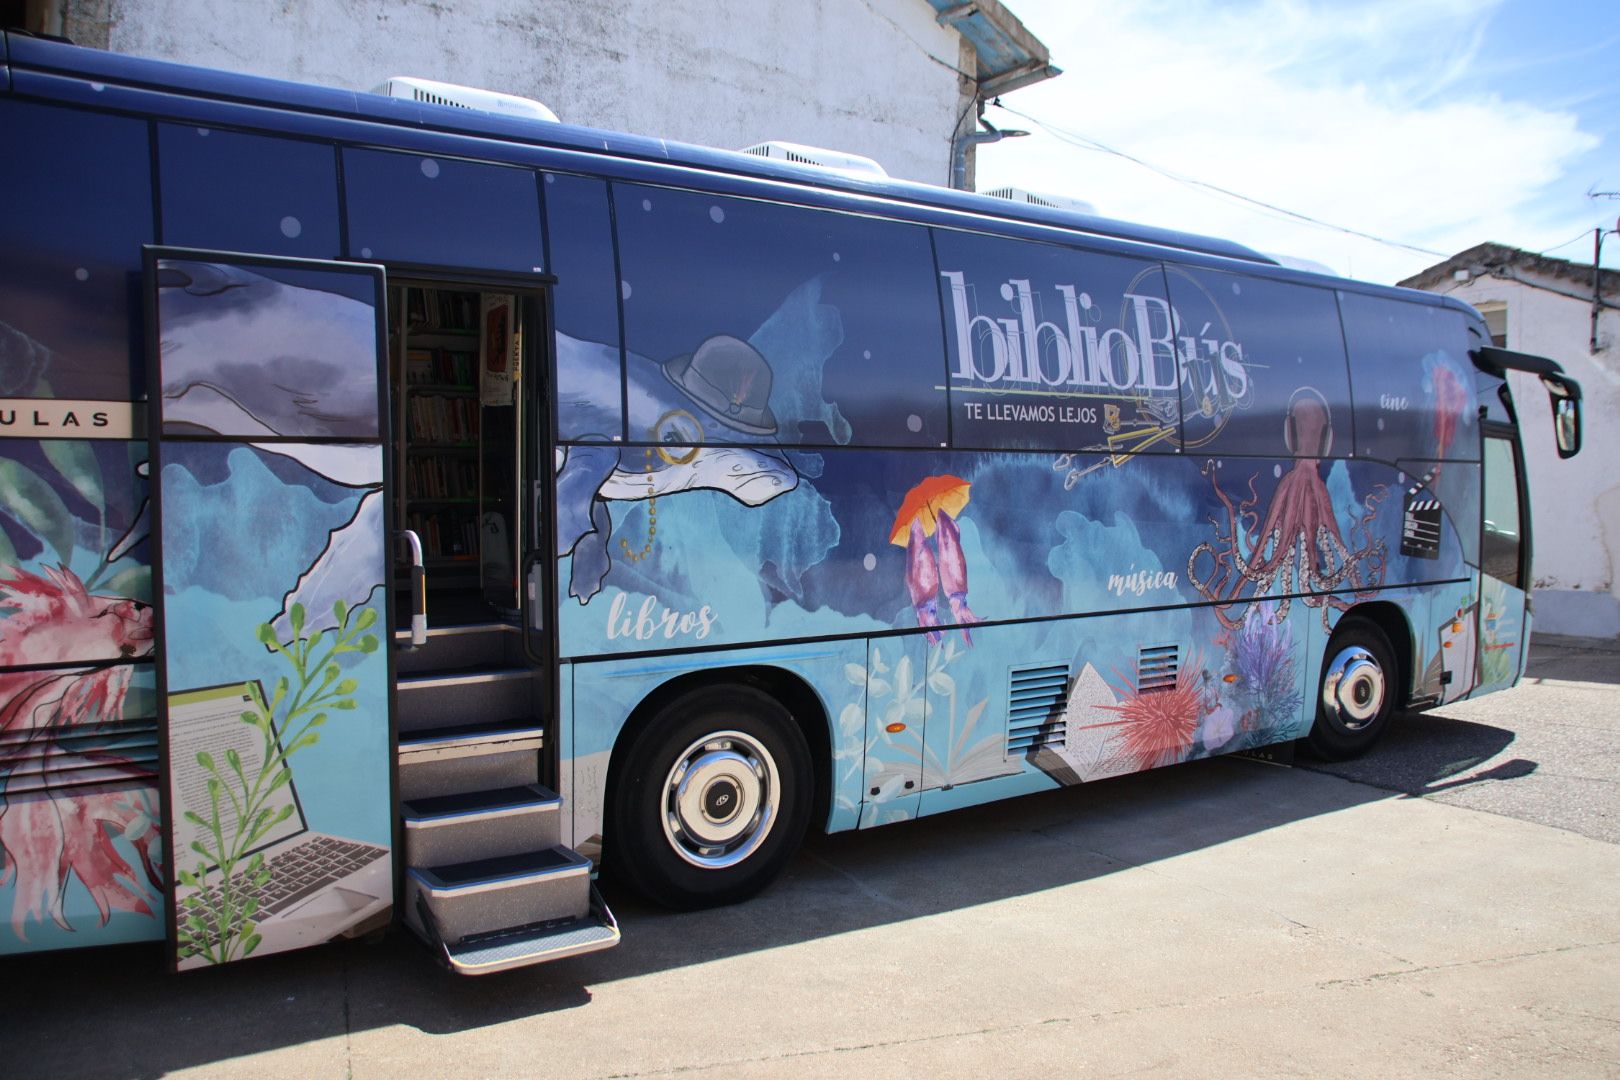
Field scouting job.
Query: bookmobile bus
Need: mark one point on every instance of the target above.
(745, 498)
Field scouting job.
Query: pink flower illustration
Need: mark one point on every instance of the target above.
(48, 837)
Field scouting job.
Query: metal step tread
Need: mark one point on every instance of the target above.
(472, 804)
(483, 732)
(532, 944)
(527, 866)
(403, 633)
(462, 676)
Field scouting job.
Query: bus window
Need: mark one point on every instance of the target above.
(441, 211)
(1500, 551)
(1052, 348)
(79, 206)
(1262, 366)
(234, 192)
(779, 322)
(1413, 382)
(579, 232)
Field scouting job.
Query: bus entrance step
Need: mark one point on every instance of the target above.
(483, 896)
(474, 757)
(536, 943)
(430, 701)
(480, 824)
(453, 648)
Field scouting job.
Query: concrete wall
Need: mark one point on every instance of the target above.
(874, 77)
(1576, 503)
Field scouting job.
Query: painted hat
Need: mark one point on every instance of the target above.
(730, 380)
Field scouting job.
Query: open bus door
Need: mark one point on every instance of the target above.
(268, 392)
(1505, 540)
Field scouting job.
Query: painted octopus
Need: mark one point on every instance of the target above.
(1298, 547)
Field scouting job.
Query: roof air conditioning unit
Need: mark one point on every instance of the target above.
(1294, 262)
(800, 154)
(464, 97)
(1036, 198)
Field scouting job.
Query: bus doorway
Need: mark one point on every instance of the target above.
(457, 353)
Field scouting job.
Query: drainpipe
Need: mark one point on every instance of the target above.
(959, 146)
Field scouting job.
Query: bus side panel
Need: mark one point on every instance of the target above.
(882, 541)
(78, 840)
(605, 694)
(1041, 705)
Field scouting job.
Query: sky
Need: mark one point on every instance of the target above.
(1438, 124)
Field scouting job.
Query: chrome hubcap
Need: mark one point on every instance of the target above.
(720, 800)
(1353, 688)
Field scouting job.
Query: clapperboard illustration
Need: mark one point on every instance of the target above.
(1420, 532)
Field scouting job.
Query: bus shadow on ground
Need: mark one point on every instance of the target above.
(115, 1011)
(1428, 753)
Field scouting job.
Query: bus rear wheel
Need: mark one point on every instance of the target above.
(712, 799)
(1356, 696)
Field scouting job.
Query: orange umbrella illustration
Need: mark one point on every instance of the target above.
(931, 509)
(925, 502)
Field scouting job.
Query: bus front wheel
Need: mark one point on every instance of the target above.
(712, 799)
(1357, 692)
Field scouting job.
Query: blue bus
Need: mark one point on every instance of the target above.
(405, 510)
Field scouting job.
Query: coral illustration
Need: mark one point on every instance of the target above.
(1262, 679)
(1157, 726)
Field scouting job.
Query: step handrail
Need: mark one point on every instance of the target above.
(419, 623)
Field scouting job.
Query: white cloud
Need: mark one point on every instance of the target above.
(1359, 116)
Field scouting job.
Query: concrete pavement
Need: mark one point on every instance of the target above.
(1224, 917)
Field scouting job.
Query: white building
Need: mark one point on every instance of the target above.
(894, 80)
(1544, 306)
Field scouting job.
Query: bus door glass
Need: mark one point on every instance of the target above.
(1504, 622)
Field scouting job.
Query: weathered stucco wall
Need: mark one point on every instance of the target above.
(874, 77)
(1575, 503)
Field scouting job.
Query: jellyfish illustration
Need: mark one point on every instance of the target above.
(1450, 394)
(930, 510)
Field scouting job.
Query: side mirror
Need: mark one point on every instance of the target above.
(1564, 394)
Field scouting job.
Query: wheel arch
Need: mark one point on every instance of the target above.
(789, 689)
(1392, 620)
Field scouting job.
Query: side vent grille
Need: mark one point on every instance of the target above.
(1157, 668)
(437, 99)
(1035, 701)
(118, 751)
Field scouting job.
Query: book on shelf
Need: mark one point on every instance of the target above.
(445, 367)
(446, 533)
(441, 309)
(438, 419)
(429, 477)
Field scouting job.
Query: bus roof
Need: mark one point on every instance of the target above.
(36, 66)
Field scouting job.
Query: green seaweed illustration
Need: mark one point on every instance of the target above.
(216, 918)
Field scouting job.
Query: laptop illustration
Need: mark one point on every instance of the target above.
(311, 886)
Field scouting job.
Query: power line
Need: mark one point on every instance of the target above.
(1086, 143)
(1582, 235)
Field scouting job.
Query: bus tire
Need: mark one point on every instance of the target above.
(1356, 694)
(712, 799)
